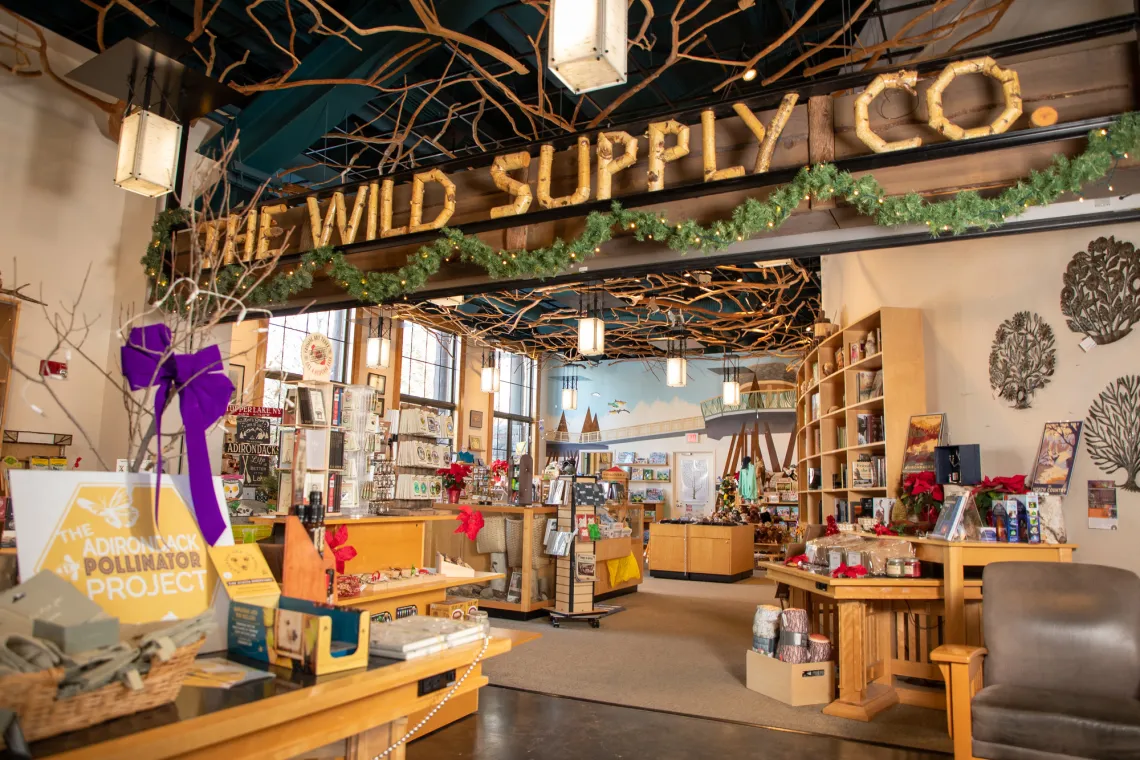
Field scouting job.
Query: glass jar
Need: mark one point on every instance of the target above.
(482, 618)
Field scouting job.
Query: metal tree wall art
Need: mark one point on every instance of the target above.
(1022, 358)
(1101, 293)
(1113, 430)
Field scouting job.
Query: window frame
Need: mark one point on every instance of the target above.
(511, 417)
(406, 363)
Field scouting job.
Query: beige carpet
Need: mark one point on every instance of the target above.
(679, 646)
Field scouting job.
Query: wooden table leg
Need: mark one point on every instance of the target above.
(858, 699)
(370, 743)
(954, 596)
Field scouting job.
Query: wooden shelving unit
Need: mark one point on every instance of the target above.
(901, 359)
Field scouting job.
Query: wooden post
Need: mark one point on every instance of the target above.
(821, 140)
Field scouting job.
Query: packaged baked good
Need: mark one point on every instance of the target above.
(876, 554)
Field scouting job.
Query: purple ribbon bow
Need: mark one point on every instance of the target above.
(203, 393)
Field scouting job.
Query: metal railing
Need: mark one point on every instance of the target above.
(751, 401)
(647, 430)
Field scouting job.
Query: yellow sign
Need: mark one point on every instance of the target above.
(107, 544)
(245, 574)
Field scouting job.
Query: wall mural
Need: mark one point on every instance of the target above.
(1101, 293)
(1022, 358)
(1113, 430)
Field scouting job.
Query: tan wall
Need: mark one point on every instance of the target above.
(966, 289)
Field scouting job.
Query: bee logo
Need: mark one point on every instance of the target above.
(116, 511)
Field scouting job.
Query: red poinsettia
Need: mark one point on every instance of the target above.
(832, 526)
(991, 490)
(470, 522)
(921, 496)
(455, 475)
(336, 540)
(919, 483)
(848, 571)
(882, 530)
(499, 467)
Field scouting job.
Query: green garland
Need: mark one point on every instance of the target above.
(964, 211)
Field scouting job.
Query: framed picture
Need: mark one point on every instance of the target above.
(922, 436)
(475, 420)
(474, 443)
(237, 377)
(1056, 455)
(378, 405)
(378, 383)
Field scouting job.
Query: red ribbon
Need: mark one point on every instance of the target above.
(469, 522)
(336, 541)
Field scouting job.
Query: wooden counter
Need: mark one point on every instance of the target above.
(291, 715)
(883, 629)
(442, 538)
(718, 553)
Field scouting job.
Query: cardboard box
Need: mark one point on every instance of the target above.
(812, 683)
(454, 608)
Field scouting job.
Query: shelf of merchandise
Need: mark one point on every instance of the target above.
(901, 358)
(442, 538)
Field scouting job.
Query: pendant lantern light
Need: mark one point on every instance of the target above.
(730, 388)
(378, 347)
(588, 43)
(570, 392)
(591, 324)
(676, 365)
(148, 153)
(489, 375)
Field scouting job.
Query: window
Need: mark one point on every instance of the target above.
(427, 375)
(283, 350)
(514, 406)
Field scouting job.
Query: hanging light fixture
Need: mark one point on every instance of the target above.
(489, 375)
(148, 153)
(730, 388)
(591, 324)
(378, 347)
(570, 392)
(588, 43)
(676, 366)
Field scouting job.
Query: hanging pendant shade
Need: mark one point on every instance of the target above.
(730, 393)
(676, 372)
(591, 336)
(587, 48)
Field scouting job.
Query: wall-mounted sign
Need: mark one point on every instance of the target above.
(599, 158)
(316, 357)
(237, 410)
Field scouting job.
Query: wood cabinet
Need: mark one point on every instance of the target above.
(719, 553)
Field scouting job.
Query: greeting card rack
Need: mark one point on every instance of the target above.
(326, 437)
(573, 598)
(855, 394)
(423, 445)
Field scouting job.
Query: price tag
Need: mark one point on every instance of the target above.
(1087, 344)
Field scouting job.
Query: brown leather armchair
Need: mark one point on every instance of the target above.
(1062, 666)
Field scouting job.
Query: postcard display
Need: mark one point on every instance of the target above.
(327, 438)
(576, 568)
(423, 446)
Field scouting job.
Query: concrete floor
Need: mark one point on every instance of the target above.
(517, 724)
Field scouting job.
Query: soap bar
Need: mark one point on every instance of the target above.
(60, 613)
(79, 637)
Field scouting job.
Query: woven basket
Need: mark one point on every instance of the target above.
(32, 696)
(492, 538)
(514, 542)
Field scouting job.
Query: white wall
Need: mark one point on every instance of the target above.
(61, 215)
(966, 289)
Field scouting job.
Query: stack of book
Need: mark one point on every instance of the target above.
(418, 636)
(869, 428)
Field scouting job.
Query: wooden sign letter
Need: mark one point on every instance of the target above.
(267, 229)
(321, 233)
(418, 181)
(1010, 86)
(769, 136)
(659, 155)
(386, 211)
(373, 207)
(545, 164)
(519, 189)
(708, 150)
(607, 165)
(209, 255)
(233, 237)
(899, 80)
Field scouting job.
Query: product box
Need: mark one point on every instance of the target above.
(812, 683)
(282, 630)
(454, 607)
